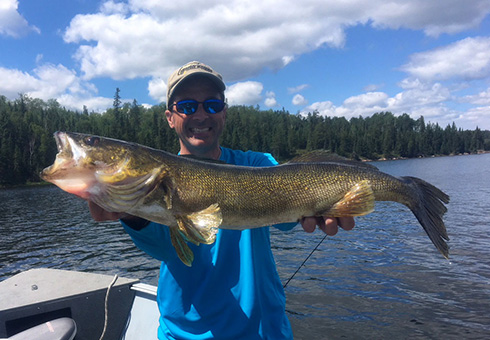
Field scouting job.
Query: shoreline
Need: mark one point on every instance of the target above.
(382, 159)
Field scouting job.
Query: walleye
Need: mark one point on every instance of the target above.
(196, 197)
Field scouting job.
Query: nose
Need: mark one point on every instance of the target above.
(200, 114)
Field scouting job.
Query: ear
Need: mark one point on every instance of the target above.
(169, 116)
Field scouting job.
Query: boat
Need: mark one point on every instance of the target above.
(55, 304)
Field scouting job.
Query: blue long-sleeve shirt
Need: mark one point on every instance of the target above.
(232, 290)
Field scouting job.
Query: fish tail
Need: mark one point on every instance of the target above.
(428, 207)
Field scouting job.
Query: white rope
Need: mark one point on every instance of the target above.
(106, 308)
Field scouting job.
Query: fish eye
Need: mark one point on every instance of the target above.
(92, 141)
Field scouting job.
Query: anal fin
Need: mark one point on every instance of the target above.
(358, 201)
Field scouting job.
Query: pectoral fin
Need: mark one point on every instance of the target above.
(358, 201)
(201, 226)
(183, 251)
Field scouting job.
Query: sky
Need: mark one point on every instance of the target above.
(345, 58)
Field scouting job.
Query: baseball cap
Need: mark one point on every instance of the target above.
(192, 69)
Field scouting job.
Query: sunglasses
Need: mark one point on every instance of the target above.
(190, 106)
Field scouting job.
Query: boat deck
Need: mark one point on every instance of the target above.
(40, 295)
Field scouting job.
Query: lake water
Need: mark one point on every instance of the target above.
(384, 279)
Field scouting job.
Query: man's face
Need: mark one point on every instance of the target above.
(199, 132)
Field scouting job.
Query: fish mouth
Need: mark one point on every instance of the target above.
(61, 161)
(60, 138)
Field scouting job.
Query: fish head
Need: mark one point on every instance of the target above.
(84, 162)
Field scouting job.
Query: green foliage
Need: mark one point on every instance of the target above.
(27, 126)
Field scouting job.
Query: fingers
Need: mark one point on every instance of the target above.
(346, 223)
(99, 214)
(329, 225)
(309, 224)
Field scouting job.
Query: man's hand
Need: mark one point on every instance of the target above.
(99, 214)
(328, 225)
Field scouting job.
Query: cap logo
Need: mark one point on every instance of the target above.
(190, 67)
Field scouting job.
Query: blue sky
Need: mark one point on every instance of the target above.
(339, 58)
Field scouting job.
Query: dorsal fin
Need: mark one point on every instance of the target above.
(325, 156)
(207, 160)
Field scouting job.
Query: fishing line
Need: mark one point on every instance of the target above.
(297, 270)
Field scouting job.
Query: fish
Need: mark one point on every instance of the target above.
(196, 197)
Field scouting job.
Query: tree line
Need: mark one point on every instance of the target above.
(27, 126)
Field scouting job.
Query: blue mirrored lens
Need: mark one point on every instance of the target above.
(189, 107)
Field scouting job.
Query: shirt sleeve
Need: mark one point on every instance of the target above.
(154, 239)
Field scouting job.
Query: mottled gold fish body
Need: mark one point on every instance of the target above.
(195, 198)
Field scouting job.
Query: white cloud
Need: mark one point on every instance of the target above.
(477, 116)
(431, 89)
(424, 95)
(157, 89)
(372, 87)
(299, 100)
(287, 59)
(18, 82)
(326, 108)
(433, 17)
(111, 7)
(93, 103)
(424, 100)
(368, 100)
(244, 93)
(298, 88)
(270, 99)
(151, 38)
(49, 81)
(11, 22)
(482, 98)
(465, 59)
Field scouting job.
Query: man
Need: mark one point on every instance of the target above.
(232, 290)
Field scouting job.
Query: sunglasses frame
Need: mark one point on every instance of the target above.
(196, 107)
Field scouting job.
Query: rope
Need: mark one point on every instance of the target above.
(106, 308)
(297, 270)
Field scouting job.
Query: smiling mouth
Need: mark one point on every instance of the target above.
(200, 130)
